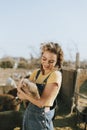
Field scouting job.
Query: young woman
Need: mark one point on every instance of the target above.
(39, 113)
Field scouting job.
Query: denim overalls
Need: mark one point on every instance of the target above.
(36, 118)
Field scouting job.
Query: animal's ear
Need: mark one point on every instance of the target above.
(13, 92)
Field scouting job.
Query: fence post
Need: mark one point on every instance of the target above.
(77, 60)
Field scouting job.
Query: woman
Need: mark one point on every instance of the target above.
(39, 113)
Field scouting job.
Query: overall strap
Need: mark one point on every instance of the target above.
(55, 101)
(38, 72)
(45, 80)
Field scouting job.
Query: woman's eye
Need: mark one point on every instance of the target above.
(51, 62)
(43, 59)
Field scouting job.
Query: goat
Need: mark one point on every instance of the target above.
(30, 88)
(8, 102)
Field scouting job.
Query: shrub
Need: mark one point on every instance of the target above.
(6, 64)
(23, 64)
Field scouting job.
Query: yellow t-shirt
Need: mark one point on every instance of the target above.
(54, 77)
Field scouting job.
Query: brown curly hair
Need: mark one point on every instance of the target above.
(56, 49)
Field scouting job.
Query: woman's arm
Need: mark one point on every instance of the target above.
(49, 94)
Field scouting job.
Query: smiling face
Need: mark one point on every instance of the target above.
(51, 58)
(48, 61)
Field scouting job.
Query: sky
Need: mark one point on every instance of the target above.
(25, 24)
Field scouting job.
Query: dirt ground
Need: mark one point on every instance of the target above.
(6, 73)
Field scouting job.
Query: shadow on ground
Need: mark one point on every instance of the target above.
(64, 120)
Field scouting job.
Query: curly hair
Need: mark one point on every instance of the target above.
(56, 49)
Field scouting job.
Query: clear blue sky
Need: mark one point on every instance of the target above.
(24, 24)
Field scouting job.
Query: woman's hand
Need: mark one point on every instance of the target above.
(22, 92)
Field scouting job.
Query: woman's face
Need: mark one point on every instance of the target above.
(48, 60)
